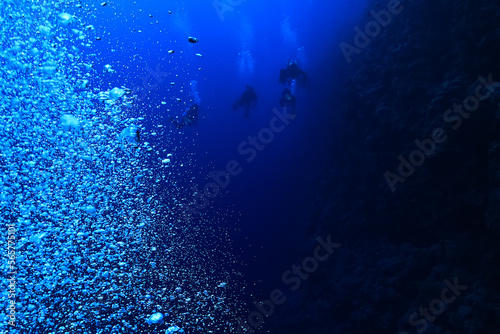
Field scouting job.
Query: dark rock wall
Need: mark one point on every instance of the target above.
(401, 249)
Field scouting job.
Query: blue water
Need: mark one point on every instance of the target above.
(248, 46)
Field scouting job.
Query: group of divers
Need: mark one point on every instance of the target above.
(289, 76)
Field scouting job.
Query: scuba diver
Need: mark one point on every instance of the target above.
(248, 100)
(287, 101)
(189, 117)
(293, 72)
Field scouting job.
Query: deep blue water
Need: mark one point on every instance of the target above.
(271, 194)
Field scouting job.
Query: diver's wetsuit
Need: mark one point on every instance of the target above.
(293, 72)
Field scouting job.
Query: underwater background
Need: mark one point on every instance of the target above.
(241, 166)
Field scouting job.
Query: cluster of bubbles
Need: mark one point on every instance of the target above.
(101, 246)
(246, 64)
(193, 84)
(290, 42)
(289, 35)
(245, 60)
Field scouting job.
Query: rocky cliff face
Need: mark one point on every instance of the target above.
(412, 192)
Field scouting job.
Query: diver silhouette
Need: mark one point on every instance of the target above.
(189, 117)
(292, 71)
(248, 100)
